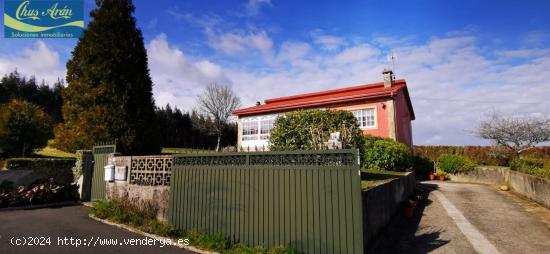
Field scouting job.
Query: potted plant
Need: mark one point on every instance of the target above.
(409, 208)
(441, 174)
(432, 176)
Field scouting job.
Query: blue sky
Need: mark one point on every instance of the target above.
(461, 59)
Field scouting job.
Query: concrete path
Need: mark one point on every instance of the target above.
(469, 218)
(58, 225)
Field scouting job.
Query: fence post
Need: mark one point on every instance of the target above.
(358, 154)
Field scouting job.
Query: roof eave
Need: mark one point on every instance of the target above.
(310, 104)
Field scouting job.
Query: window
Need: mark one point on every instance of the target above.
(250, 129)
(265, 128)
(365, 117)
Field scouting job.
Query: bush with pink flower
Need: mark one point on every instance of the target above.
(40, 192)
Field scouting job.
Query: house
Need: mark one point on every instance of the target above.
(382, 109)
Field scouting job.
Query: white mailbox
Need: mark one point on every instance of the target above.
(120, 173)
(109, 173)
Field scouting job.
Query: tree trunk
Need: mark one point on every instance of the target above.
(218, 144)
(23, 151)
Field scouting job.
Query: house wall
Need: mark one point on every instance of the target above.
(392, 121)
(403, 131)
(382, 127)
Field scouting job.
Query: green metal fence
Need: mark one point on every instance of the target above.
(101, 157)
(310, 200)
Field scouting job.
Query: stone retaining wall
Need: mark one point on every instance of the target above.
(382, 202)
(533, 187)
(485, 175)
(157, 195)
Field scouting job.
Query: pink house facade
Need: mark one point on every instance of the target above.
(382, 109)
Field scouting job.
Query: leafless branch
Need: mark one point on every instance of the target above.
(219, 101)
(515, 133)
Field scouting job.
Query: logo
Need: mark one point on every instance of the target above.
(43, 18)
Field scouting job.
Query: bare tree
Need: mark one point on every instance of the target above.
(219, 101)
(515, 133)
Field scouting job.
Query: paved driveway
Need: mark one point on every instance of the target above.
(60, 224)
(470, 218)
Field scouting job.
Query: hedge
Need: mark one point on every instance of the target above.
(482, 155)
(453, 164)
(60, 169)
(386, 154)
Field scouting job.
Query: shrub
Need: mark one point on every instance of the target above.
(6, 186)
(526, 164)
(453, 164)
(60, 169)
(43, 191)
(422, 166)
(23, 127)
(532, 166)
(78, 169)
(440, 172)
(310, 129)
(386, 154)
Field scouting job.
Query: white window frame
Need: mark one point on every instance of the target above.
(250, 136)
(270, 121)
(363, 111)
(258, 122)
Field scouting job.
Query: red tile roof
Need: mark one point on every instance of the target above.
(328, 97)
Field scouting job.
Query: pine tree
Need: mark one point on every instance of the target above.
(109, 94)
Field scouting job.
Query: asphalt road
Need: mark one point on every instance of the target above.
(52, 229)
(469, 218)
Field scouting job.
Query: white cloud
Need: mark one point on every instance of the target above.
(523, 53)
(293, 50)
(356, 54)
(253, 6)
(236, 43)
(329, 42)
(178, 78)
(39, 61)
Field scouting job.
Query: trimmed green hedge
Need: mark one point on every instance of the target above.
(454, 164)
(60, 169)
(386, 154)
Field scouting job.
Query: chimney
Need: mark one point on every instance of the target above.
(258, 103)
(388, 77)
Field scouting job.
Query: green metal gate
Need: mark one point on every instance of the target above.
(101, 157)
(308, 199)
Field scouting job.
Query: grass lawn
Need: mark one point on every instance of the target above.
(170, 150)
(52, 152)
(372, 177)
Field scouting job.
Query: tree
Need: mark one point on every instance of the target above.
(14, 86)
(23, 127)
(109, 94)
(219, 101)
(515, 133)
